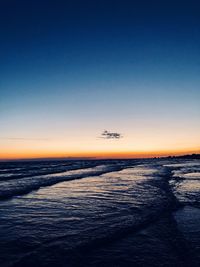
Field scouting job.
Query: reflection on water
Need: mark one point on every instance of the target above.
(103, 207)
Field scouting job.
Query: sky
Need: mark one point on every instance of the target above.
(70, 70)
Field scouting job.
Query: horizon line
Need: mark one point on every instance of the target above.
(109, 156)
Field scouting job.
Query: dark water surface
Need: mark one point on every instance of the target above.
(100, 213)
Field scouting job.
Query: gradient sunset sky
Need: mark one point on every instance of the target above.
(72, 69)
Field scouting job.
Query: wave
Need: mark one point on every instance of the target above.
(36, 169)
(25, 185)
(107, 208)
(63, 222)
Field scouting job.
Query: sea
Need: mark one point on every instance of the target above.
(135, 212)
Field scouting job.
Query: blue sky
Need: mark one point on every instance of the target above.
(70, 69)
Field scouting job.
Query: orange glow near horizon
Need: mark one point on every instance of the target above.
(76, 90)
(141, 144)
(94, 154)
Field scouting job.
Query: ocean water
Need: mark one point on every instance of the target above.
(100, 213)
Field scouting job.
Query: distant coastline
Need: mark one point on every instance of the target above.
(187, 156)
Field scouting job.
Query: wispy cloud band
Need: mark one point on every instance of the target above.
(23, 139)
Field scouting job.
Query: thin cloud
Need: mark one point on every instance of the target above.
(110, 135)
(23, 139)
